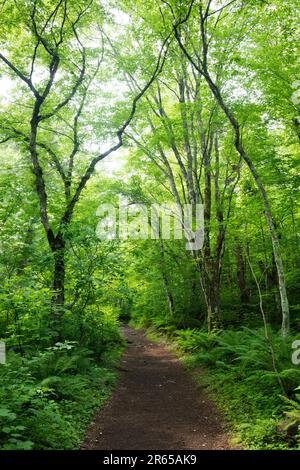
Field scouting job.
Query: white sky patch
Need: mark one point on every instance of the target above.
(115, 89)
(6, 87)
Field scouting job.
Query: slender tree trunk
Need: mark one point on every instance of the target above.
(296, 125)
(271, 285)
(166, 279)
(266, 331)
(203, 70)
(274, 237)
(213, 307)
(58, 298)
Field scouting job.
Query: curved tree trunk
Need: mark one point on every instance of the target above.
(166, 280)
(241, 274)
(274, 237)
(58, 299)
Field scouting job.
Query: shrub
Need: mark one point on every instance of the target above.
(241, 377)
(47, 399)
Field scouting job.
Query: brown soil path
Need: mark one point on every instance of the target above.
(156, 406)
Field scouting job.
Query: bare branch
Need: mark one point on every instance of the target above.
(158, 68)
(6, 139)
(20, 75)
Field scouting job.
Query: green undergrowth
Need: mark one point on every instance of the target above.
(236, 369)
(47, 398)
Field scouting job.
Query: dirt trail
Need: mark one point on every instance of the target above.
(156, 406)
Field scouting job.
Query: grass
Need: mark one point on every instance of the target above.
(47, 399)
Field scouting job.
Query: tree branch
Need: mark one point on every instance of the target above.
(20, 75)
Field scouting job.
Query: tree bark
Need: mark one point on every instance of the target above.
(240, 273)
(211, 264)
(213, 307)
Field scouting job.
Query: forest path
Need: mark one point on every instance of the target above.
(156, 405)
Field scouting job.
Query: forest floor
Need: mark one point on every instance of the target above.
(156, 405)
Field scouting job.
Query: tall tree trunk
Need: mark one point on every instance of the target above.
(211, 276)
(213, 305)
(240, 273)
(202, 68)
(274, 237)
(58, 297)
